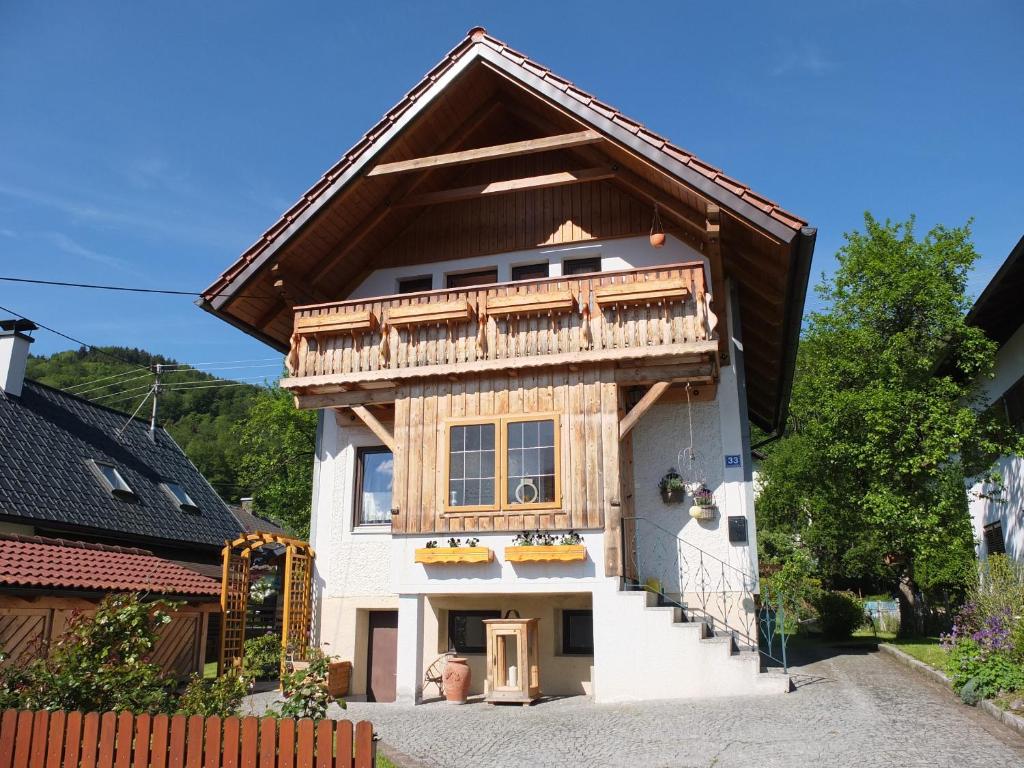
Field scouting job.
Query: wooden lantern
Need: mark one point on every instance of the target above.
(513, 670)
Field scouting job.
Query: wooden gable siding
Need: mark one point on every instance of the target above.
(587, 404)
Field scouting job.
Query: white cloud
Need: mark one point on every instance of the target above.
(803, 57)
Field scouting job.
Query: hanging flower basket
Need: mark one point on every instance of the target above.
(672, 488)
(703, 504)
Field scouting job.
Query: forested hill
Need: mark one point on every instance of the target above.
(200, 411)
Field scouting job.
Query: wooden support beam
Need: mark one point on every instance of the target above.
(480, 154)
(713, 250)
(375, 426)
(544, 181)
(345, 399)
(402, 189)
(650, 398)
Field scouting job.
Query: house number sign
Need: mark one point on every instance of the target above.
(733, 460)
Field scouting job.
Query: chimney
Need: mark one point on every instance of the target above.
(14, 341)
(246, 503)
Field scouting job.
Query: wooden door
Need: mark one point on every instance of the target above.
(382, 656)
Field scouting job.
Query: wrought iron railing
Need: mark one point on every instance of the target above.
(706, 587)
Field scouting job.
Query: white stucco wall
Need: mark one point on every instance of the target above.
(624, 253)
(1007, 507)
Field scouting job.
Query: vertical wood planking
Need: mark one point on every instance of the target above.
(40, 730)
(143, 734)
(23, 740)
(123, 743)
(286, 743)
(194, 742)
(364, 745)
(213, 743)
(230, 740)
(55, 740)
(345, 746)
(161, 741)
(304, 754)
(250, 742)
(8, 731)
(325, 744)
(90, 740)
(176, 749)
(268, 742)
(73, 740)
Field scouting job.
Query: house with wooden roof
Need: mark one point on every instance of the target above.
(998, 514)
(535, 328)
(93, 502)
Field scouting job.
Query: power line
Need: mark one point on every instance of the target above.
(115, 394)
(108, 385)
(69, 338)
(124, 288)
(104, 378)
(223, 362)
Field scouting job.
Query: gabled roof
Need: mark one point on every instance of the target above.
(40, 562)
(999, 310)
(352, 220)
(47, 440)
(477, 43)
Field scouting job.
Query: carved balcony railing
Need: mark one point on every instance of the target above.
(650, 312)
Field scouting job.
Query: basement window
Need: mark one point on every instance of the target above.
(578, 632)
(180, 496)
(112, 480)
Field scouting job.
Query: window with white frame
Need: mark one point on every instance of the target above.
(375, 471)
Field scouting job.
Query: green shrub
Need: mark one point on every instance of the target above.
(221, 696)
(100, 663)
(306, 689)
(839, 614)
(261, 658)
(983, 673)
(795, 584)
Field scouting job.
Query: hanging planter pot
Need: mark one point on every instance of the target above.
(703, 504)
(657, 236)
(672, 488)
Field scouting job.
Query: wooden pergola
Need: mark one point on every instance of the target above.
(234, 598)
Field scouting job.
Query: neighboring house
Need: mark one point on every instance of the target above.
(998, 513)
(472, 300)
(92, 503)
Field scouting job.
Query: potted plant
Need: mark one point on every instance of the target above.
(546, 547)
(703, 504)
(672, 487)
(455, 552)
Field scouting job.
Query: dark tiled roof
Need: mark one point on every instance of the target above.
(252, 522)
(999, 310)
(47, 438)
(596, 109)
(35, 561)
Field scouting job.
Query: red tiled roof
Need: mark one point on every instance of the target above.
(479, 36)
(36, 561)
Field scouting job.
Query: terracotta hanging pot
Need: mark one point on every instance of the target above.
(657, 230)
(657, 239)
(456, 679)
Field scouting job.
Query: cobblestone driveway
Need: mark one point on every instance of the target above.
(853, 709)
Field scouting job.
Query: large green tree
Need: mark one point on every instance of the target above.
(277, 443)
(886, 423)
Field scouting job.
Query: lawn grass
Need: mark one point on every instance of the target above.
(383, 762)
(926, 649)
(210, 669)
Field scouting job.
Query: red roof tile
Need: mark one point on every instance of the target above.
(35, 561)
(479, 37)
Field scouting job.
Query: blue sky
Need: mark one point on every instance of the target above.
(150, 143)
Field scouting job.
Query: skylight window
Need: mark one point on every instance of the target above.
(112, 480)
(180, 495)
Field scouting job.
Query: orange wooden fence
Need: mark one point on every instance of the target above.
(112, 740)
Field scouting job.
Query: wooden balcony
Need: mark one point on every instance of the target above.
(638, 317)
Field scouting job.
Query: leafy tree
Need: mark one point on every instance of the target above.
(277, 443)
(886, 422)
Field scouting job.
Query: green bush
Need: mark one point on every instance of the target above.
(306, 689)
(795, 584)
(261, 658)
(982, 673)
(221, 696)
(100, 663)
(839, 614)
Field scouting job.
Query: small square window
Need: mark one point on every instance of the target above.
(578, 632)
(581, 266)
(180, 495)
(530, 271)
(112, 479)
(995, 544)
(415, 284)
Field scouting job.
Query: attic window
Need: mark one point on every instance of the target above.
(112, 480)
(180, 495)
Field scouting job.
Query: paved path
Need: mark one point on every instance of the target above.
(853, 709)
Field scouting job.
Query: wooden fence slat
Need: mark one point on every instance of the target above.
(268, 742)
(344, 756)
(161, 741)
(55, 739)
(194, 742)
(229, 755)
(286, 743)
(108, 730)
(22, 739)
(212, 759)
(73, 741)
(123, 744)
(40, 730)
(325, 744)
(8, 728)
(176, 753)
(143, 730)
(364, 744)
(305, 751)
(90, 739)
(250, 742)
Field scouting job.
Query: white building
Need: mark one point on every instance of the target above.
(473, 300)
(998, 513)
